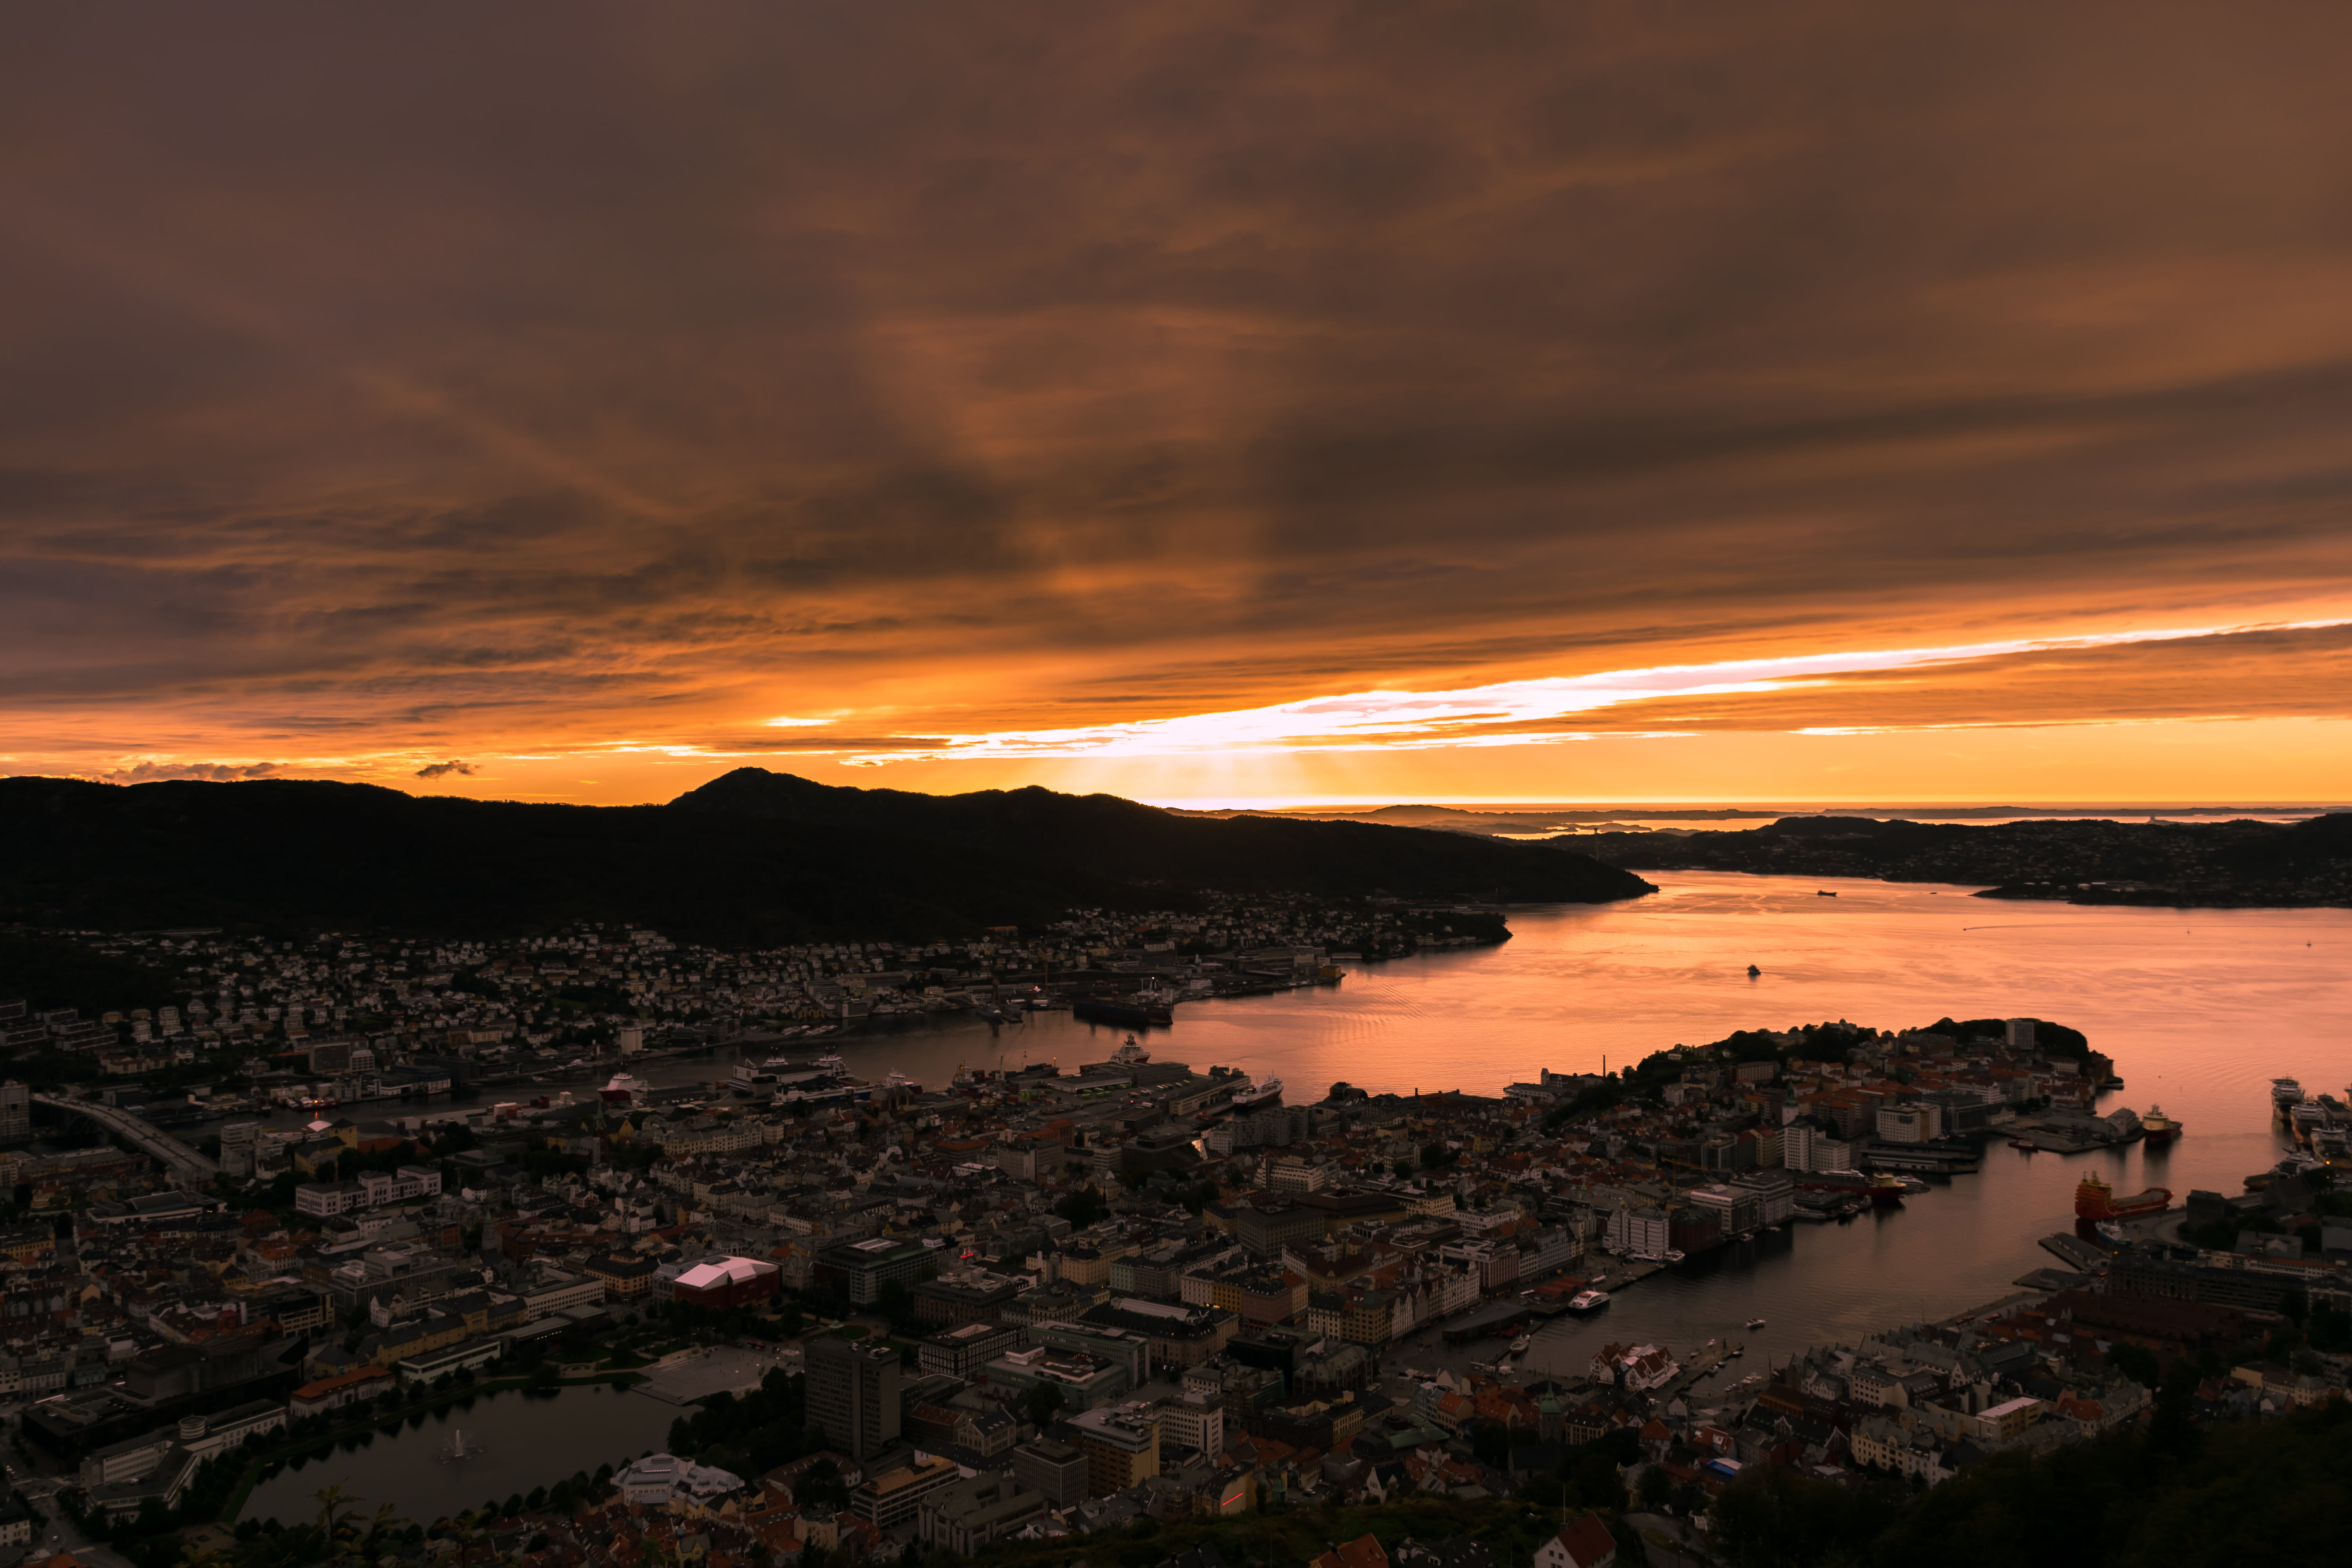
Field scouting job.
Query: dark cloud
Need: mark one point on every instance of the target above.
(211, 773)
(441, 376)
(442, 770)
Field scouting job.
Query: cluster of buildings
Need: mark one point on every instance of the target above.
(1126, 1296)
(339, 1018)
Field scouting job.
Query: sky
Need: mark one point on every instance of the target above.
(1372, 402)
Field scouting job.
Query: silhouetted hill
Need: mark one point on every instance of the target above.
(1105, 835)
(2217, 864)
(768, 859)
(54, 974)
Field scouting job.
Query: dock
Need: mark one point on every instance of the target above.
(1708, 1358)
(2076, 1253)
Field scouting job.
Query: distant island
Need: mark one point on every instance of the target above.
(749, 859)
(2221, 865)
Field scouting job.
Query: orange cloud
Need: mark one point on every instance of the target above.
(389, 386)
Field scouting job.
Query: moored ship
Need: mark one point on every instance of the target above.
(2095, 1200)
(2285, 1094)
(1260, 1094)
(1587, 1301)
(2157, 1129)
(1143, 1010)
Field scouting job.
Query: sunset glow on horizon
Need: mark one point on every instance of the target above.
(1534, 404)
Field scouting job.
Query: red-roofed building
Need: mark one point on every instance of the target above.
(1364, 1551)
(334, 1393)
(1585, 1544)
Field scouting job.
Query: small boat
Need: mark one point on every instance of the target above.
(1672, 1256)
(1755, 1322)
(1521, 1344)
(1753, 972)
(2028, 1144)
(1587, 1301)
(1820, 894)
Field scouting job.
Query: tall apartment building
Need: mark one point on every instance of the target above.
(853, 1393)
(1056, 1469)
(16, 1113)
(1643, 1230)
(1121, 1445)
(240, 1147)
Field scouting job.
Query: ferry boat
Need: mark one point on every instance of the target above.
(2157, 1129)
(621, 1088)
(1754, 1323)
(1587, 1301)
(2095, 1200)
(1258, 1094)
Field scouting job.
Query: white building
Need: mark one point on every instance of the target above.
(1641, 1230)
(1913, 1122)
(656, 1478)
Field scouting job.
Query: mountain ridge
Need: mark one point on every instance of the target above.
(757, 863)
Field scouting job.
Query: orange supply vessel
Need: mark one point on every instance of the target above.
(2096, 1200)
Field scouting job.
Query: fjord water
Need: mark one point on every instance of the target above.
(2198, 1008)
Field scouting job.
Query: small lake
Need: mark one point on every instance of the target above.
(514, 1442)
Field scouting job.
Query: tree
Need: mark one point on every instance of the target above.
(1657, 1486)
(1490, 1442)
(2136, 1363)
(1083, 1207)
(1041, 1402)
(1594, 1481)
(2172, 1430)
